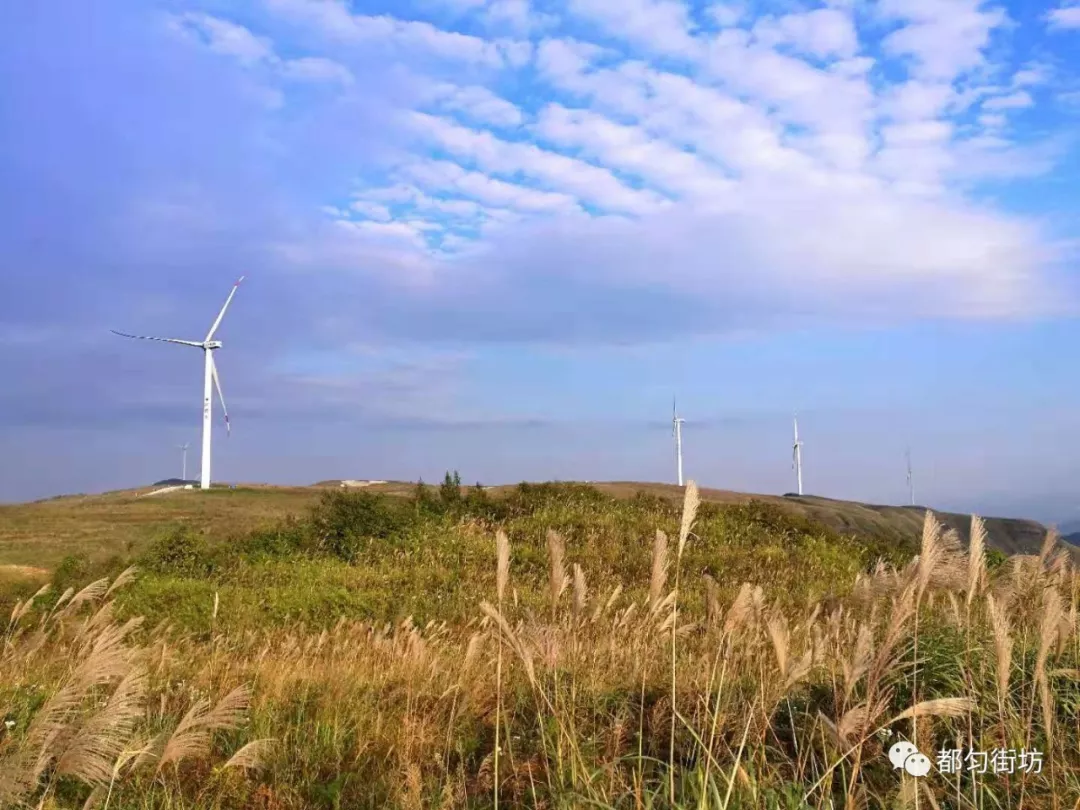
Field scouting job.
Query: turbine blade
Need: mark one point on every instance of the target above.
(220, 396)
(224, 307)
(161, 339)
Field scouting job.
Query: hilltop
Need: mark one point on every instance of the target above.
(379, 638)
(42, 533)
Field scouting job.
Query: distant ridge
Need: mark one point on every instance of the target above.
(902, 523)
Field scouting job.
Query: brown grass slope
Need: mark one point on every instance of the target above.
(42, 533)
(1008, 535)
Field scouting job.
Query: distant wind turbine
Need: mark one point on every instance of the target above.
(183, 463)
(796, 456)
(910, 478)
(210, 380)
(676, 431)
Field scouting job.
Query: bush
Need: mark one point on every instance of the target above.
(71, 572)
(180, 551)
(343, 523)
(995, 559)
(287, 538)
(450, 490)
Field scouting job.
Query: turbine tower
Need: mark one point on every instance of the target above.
(910, 478)
(210, 380)
(796, 456)
(183, 462)
(676, 431)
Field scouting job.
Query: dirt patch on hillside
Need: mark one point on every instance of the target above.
(12, 572)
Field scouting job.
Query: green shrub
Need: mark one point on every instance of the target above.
(287, 538)
(995, 559)
(344, 523)
(450, 490)
(180, 551)
(71, 572)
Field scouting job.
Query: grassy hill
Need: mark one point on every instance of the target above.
(42, 533)
(272, 554)
(899, 524)
(544, 645)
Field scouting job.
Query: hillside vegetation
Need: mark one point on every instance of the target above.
(423, 551)
(97, 527)
(555, 646)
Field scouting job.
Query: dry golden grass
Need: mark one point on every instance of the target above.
(99, 526)
(600, 700)
(74, 692)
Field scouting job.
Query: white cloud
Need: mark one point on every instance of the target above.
(916, 100)
(441, 175)
(403, 233)
(229, 39)
(1033, 73)
(726, 15)
(316, 69)
(787, 162)
(516, 16)
(823, 32)
(461, 6)
(1013, 101)
(672, 106)
(226, 38)
(477, 104)
(1065, 17)
(660, 26)
(371, 210)
(631, 150)
(943, 39)
(333, 19)
(558, 172)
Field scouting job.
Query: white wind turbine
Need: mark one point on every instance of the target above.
(183, 461)
(910, 478)
(796, 456)
(210, 378)
(676, 431)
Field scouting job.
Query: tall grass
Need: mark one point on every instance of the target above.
(672, 691)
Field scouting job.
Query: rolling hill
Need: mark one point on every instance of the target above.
(40, 534)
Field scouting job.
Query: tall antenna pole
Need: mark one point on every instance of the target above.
(910, 478)
(676, 430)
(797, 456)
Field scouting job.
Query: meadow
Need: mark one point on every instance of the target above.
(553, 647)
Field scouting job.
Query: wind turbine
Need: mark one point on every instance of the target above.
(796, 456)
(910, 479)
(210, 378)
(676, 431)
(183, 463)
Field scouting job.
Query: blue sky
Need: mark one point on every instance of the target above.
(500, 235)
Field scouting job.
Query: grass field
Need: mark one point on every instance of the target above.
(100, 526)
(550, 646)
(43, 533)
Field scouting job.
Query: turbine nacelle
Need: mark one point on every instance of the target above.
(212, 344)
